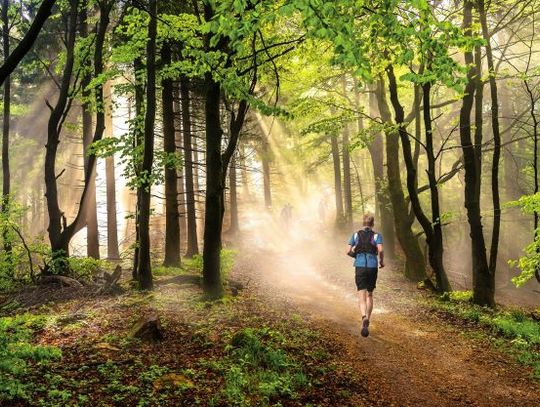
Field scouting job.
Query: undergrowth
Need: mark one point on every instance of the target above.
(18, 353)
(513, 329)
(257, 370)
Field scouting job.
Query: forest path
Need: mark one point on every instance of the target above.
(410, 358)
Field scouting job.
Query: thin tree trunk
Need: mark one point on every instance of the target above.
(138, 140)
(145, 263)
(433, 235)
(376, 153)
(192, 240)
(482, 287)
(6, 177)
(92, 244)
(57, 221)
(245, 176)
(494, 248)
(337, 181)
(265, 158)
(172, 229)
(347, 184)
(436, 247)
(112, 223)
(233, 197)
(414, 260)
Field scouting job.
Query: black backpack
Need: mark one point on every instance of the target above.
(365, 242)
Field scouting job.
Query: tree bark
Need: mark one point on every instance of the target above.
(192, 240)
(112, 223)
(145, 264)
(337, 181)
(59, 236)
(138, 140)
(483, 288)
(265, 159)
(431, 228)
(233, 197)
(214, 204)
(347, 184)
(24, 46)
(495, 193)
(92, 233)
(376, 153)
(172, 227)
(414, 259)
(6, 177)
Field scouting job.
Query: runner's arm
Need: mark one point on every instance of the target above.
(381, 255)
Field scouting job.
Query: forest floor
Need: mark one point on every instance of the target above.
(291, 337)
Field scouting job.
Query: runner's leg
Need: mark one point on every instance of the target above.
(369, 304)
(362, 301)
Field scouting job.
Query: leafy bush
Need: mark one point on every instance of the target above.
(86, 268)
(16, 351)
(529, 264)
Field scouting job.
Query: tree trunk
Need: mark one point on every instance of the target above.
(92, 232)
(265, 158)
(172, 230)
(431, 228)
(347, 190)
(337, 181)
(483, 289)
(192, 240)
(214, 203)
(376, 153)
(244, 174)
(414, 259)
(145, 265)
(112, 224)
(233, 196)
(138, 140)
(6, 177)
(494, 247)
(57, 228)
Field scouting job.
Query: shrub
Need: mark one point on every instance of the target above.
(86, 268)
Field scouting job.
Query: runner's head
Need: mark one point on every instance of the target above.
(369, 221)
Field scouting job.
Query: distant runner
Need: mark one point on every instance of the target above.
(364, 246)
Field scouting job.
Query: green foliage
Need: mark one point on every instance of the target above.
(17, 352)
(17, 265)
(195, 264)
(257, 371)
(529, 264)
(87, 268)
(520, 332)
(457, 296)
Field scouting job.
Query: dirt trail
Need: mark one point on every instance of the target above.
(410, 358)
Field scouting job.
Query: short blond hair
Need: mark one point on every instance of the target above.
(369, 220)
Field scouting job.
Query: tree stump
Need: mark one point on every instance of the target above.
(148, 328)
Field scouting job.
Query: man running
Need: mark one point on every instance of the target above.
(365, 245)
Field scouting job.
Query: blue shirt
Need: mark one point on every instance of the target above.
(361, 258)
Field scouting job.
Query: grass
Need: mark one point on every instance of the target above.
(513, 329)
